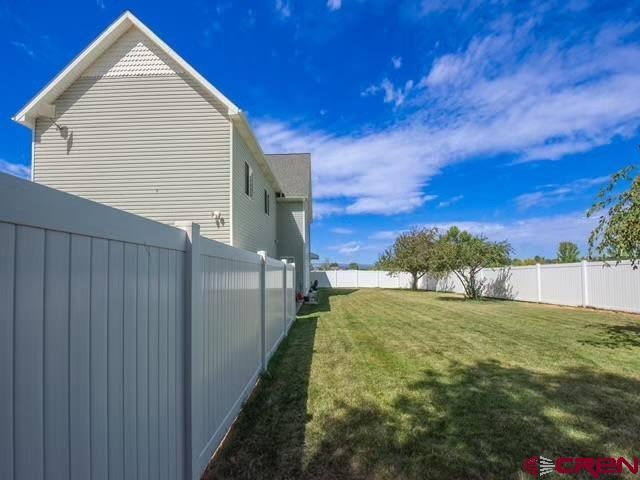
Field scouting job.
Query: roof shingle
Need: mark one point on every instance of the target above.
(293, 171)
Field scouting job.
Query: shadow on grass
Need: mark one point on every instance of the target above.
(444, 298)
(616, 336)
(476, 421)
(324, 300)
(269, 434)
(461, 298)
(481, 422)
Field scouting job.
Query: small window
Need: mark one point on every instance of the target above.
(267, 202)
(248, 180)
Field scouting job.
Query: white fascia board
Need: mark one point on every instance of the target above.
(244, 128)
(65, 78)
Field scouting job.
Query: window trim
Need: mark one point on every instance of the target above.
(248, 180)
(267, 202)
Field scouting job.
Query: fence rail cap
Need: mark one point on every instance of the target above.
(23, 202)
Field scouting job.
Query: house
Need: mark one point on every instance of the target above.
(131, 124)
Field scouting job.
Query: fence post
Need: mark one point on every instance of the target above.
(284, 283)
(192, 372)
(263, 306)
(292, 304)
(539, 282)
(585, 284)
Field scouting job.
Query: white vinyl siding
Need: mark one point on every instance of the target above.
(153, 144)
(291, 236)
(252, 229)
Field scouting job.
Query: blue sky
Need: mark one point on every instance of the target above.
(503, 117)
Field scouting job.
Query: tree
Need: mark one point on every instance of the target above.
(617, 234)
(353, 266)
(568, 252)
(412, 252)
(465, 254)
(327, 265)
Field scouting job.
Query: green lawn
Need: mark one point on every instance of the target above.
(395, 384)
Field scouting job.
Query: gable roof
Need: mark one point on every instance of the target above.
(42, 103)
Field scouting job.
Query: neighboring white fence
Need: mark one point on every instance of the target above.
(588, 284)
(126, 346)
(360, 279)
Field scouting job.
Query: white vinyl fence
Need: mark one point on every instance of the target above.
(587, 284)
(126, 346)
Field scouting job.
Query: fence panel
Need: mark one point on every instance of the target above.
(561, 284)
(346, 278)
(127, 347)
(76, 333)
(613, 287)
(387, 281)
(228, 358)
(515, 283)
(367, 279)
(274, 309)
(291, 294)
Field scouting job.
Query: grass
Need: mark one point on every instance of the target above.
(391, 384)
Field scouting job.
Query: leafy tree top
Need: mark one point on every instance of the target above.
(461, 250)
(412, 252)
(617, 234)
(568, 252)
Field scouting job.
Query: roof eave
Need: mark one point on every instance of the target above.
(240, 120)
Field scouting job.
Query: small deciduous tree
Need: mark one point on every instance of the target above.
(568, 252)
(617, 234)
(465, 254)
(327, 265)
(412, 252)
(353, 266)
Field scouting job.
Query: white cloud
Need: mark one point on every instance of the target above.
(391, 93)
(548, 195)
(370, 171)
(334, 4)
(385, 235)
(283, 8)
(348, 248)
(24, 47)
(396, 62)
(531, 236)
(504, 94)
(15, 169)
(341, 231)
(325, 209)
(450, 201)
